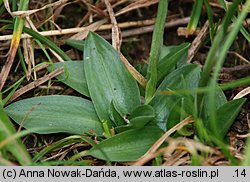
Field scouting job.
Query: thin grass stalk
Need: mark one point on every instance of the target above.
(210, 19)
(15, 146)
(243, 31)
(157, 42)
(46, 41)
(214, 54)
(195, 16)
(228, 42)
(203, 90)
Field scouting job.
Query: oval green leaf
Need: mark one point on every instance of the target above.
(219, 101)
(141, 116)
(53, 114)
(128, 145)
(186, 77)
(73, 76)
(168, 62)
(108, 79)
(114, 115)
(178, 112)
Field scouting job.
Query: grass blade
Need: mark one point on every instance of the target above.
(228, 42)
(212, 56)
(57, 145)
(15, 147)
(44, 40)
(162, 103)
(49, 43)
(18, 29)
(216, 56)
(210, 19)
(195, 16)
(156, 45)
(168, 62)
(243, 31)
(246, 161)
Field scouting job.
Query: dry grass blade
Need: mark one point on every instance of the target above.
(150, 28)
(177, 149)
(6, 68)
(32, 26)
(242, 93)
(29, 12)
(239, 56)
(116, 38)
(36, 83)
(147, 27)
(95, 10)
(192, 146)
(136, 5)
(28, 53)
(176, 158)
(148, 155)
(7, 6)
(18, 28)
(139, 78)
(119, 3)
(26, 115)
(215, 161)
(244, 136)
(196, 44)
(84, 32)
(80, 29)
(116, 42)
(185, 146)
